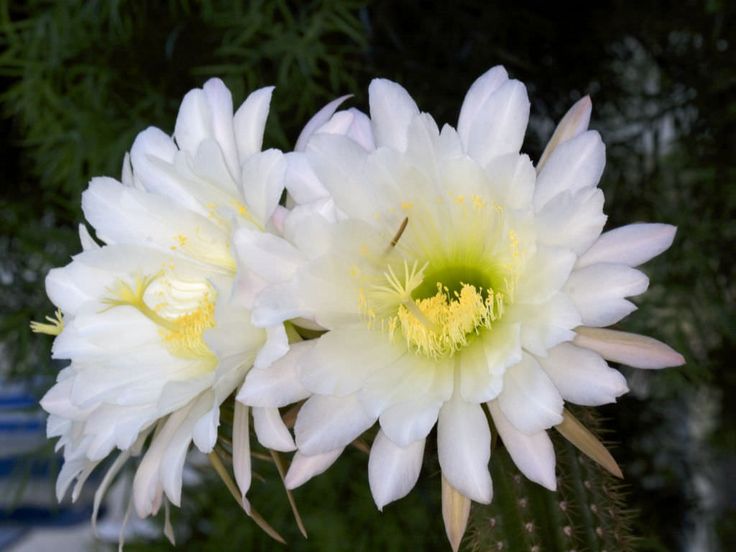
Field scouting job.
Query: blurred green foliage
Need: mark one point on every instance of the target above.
(80, 79)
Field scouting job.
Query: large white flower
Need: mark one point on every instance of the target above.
(453, 277)
(151, 325)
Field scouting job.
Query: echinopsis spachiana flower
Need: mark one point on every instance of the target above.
(451, 276)
(156, 334)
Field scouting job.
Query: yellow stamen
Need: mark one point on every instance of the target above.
(442, 324)
(183, 335)
(55, 326)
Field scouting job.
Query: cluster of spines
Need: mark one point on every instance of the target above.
(587, 513)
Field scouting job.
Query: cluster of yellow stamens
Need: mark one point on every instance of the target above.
(183, 335)
(440, 325)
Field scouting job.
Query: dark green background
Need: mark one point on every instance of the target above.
(80, 79)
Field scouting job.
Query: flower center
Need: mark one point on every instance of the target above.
(183, 334)
(434, 324)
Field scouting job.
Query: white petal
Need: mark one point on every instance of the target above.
(152, 156)
(392, 110)
(271, 430)
(634, 350)
(572, 220)
(598, 292)
(220, 102)
(86, 239)
(546, 324)
(317, 121)
(464, 448)
(529, 399)
(343, 359)
(574, 122)
(205, 430)
(354, 124)
(278, 384)
(303, 467)
(582, 376)
(407, 422)
(573, 166)
(327, 423)
(301, 181)
(392, 470)
(480, 381)
(545, 274)
(533, 453)
(194, 121)
(276, 346)
(250, 122)
(241, 448)
(270, 257)
(630, 245)
(500, 124)
(478, 93)
(262, 181)
(512, 177)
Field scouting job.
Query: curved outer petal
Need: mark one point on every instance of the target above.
(574, 122)
(262, 183)
(500, 123)
(318, 121)
(582, 376)
(393, 470)
(572, 220)
(271, 430)
(464, 448)
(241, 448)
(392, 110)
(249, 122)
(575, 165)
(354, 124)
(532, 453)
(634, 350)
(598, 292)
(529, 399)
(303, 467)
(630, 245)
(407, 422)
(326, 423)
(476, 97)
(278, 384)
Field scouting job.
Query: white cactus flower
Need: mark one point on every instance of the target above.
(453, 278)
(156, 333)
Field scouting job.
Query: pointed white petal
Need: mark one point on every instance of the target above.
(573, 166)
(574, 122)
(512, 178)
(354, 124)
(532, 453)
(276, 346)
(392, 110)
(303, 467)
(464, 448)
(478, 93)
(631, 349)
(392, 470)
(317, 121)
(598, 292)
(500, 123)
(241, 448)
(250, 121)
(582, 376)
(545, 274)
(205, 430)
(408, 422)
(271, 430)
(630, 245)
(326, 423)
(529, 399)
(277, 385)
(572, 220)
(262, 181)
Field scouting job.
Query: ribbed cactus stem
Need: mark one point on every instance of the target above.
(586, 513)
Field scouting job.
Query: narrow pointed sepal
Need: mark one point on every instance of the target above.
(575, 432)
(455, 513)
